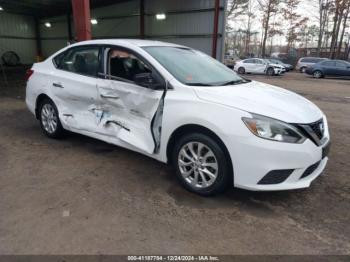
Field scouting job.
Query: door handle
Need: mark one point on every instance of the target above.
(57, 85)
(109, 96)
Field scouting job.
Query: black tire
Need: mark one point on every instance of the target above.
(302, 69)
(58, 131)
(270, 71)
(224, 176)
(317, 74)
(241, 70)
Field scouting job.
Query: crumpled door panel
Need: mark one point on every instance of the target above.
(127, 113)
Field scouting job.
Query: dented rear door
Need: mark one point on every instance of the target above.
(73, 84)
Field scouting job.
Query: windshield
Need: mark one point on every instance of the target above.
(274, 61)
(192, 67)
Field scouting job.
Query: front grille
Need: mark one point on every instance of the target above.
(314, 131)
(275, 177)
(310, 170)
(318, 128)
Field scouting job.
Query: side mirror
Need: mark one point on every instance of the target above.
(147, 80)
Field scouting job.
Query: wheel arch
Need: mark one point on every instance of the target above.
(195, 128)
(269, 68)
(301, 68)
(38, 101)
(241, 67)
(320, 70)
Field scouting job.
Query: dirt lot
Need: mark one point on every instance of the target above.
(79, 195)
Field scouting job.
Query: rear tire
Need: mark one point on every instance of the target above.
(201, 164)
(302, 69)
(241, 70)
(49, 119)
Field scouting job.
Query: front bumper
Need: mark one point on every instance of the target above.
(279, 71)
(253, 158)
(309, 71)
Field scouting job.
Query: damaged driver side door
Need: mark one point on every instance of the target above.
(131, 98)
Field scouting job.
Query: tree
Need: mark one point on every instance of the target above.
(269, 8)
(236, 8)
(241, 11)
(307, 34)
(324, 11)
(294, 20)
(274, 30)
(339, 15)
(345, 19)
(251, 16)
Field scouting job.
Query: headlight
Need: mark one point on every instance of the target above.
(272, 129)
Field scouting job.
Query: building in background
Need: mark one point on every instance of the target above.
(28, 30)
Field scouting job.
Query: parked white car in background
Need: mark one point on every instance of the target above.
(258, 66)
(178, 105)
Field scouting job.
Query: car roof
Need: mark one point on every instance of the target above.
(323, 58)
(124, 42)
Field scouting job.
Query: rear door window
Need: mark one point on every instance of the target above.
(249, 61)
(329, 63)
(80, 60)
(307, 60)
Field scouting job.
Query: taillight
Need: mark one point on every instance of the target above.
(28, 74)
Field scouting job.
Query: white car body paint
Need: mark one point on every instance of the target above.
(107, 109)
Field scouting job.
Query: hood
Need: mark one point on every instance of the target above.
(276, 65)
(263, 99)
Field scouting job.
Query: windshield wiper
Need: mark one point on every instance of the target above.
(198, 84)
(234, 82)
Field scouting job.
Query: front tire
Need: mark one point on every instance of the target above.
(303, 70)
(270, 71)
(201, 164)
(49, 119)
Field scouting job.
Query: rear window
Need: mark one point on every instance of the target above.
(342, 64)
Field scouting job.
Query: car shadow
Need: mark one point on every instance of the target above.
(258, 203)
(234, 197)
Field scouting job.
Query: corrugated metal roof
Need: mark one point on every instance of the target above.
(46, 8)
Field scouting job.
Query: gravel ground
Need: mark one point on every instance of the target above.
(82, 196)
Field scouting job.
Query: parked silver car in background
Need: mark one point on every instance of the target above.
(305, 62)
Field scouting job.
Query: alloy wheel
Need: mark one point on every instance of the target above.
(270, 72)
(49, 118)
(317, 74)
(198, 165)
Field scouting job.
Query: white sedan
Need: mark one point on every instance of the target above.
(180, 106)
(258, 66)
